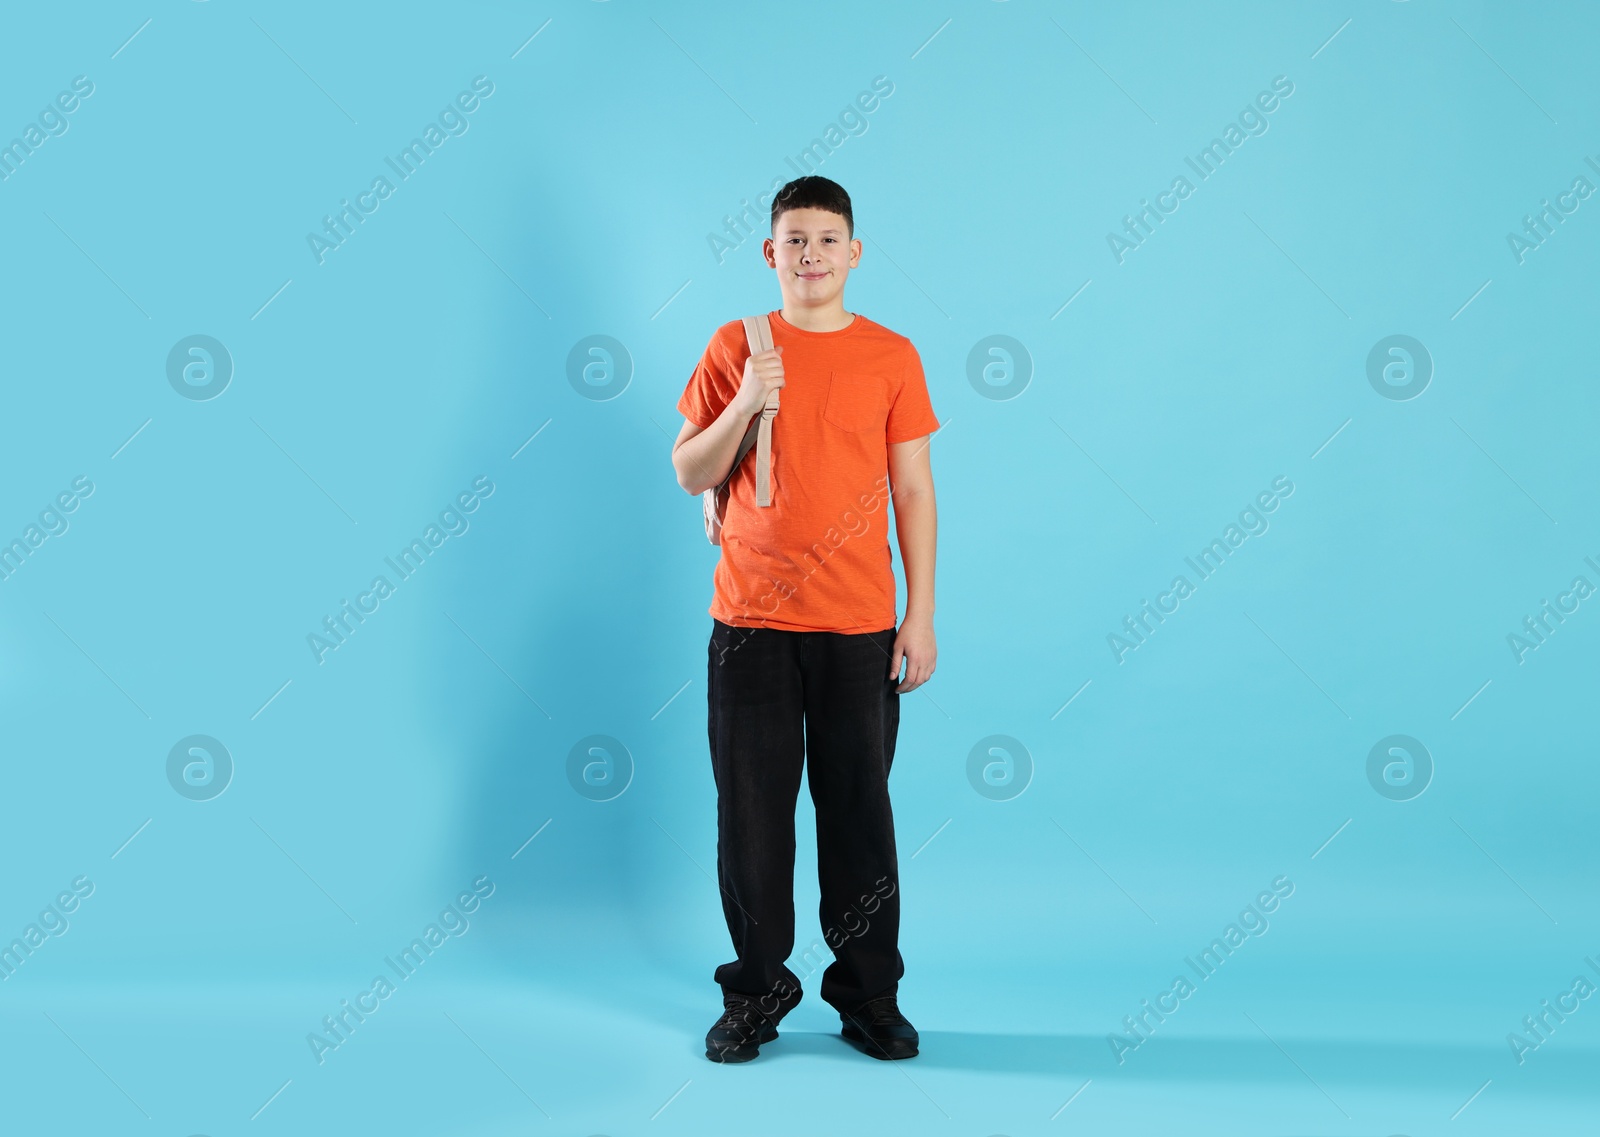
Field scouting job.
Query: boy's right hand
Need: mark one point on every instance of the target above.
(763, 374)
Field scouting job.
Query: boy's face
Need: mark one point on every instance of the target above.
(812, 253)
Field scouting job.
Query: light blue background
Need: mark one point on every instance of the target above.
(372, 388)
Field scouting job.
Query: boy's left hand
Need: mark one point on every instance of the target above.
(915, 642)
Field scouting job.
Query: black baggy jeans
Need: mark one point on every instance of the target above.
(779, 700)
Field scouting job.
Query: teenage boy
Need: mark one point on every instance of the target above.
(804, 661)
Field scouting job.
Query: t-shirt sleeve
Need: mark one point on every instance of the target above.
(911, 415)
(712, 386)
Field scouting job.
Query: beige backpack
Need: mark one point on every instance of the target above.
(758, 333)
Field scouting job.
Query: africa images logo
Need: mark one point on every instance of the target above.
(453, 122)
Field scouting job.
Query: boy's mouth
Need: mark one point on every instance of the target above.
(812, 275)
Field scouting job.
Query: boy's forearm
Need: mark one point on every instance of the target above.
(916, 526)
(704, 460)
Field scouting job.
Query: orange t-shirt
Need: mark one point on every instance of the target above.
(817, 559)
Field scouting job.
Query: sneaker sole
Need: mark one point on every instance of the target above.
(890, 1051)
(742, 1051)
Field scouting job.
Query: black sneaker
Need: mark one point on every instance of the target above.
(737, 1036)
(878, 1028)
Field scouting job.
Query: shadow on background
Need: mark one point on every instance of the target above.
(1444, 1069)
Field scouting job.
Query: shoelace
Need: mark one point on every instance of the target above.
(878, 1011)
(743, 1015)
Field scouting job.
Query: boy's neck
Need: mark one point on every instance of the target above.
(823, 318)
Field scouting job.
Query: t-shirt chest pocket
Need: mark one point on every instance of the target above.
(856, 402)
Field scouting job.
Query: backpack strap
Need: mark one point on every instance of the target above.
(745, 443)
(758, 332)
